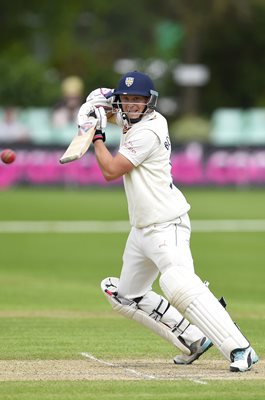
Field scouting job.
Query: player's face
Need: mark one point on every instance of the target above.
(133, 105)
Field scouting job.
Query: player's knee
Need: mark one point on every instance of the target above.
(144, 311)
(127, 307)
(181, 287)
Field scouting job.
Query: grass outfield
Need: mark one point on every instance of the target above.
(54, 318)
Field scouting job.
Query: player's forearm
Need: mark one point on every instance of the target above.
(105, 161)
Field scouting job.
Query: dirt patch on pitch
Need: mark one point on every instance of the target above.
(105, 370)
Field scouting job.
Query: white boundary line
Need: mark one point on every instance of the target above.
(136, 373)
(231, 225)
(64, 226)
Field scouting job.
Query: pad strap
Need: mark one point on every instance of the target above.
(129, 309)
(194, 300)
(160, 310)
(181, 327)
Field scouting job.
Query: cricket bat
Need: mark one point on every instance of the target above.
(81, 142)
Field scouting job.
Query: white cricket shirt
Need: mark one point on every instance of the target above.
(151, 195)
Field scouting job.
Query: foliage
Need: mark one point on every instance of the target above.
(51, 41)
(28, 82)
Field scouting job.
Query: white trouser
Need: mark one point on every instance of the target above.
(149, 251)
(165, 248)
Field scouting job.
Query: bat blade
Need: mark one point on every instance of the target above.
(80, 143)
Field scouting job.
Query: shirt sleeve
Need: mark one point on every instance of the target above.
(140, 146)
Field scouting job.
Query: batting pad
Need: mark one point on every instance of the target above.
(129, 309)
(195, 301)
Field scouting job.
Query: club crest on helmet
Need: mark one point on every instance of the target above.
(129, 81)
(134, 83)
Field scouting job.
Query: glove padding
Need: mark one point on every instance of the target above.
(101, 117)
(96, 105)
(87, 111)
(101, 97)
(84, 113)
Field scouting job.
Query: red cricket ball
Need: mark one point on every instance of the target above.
(8, 156)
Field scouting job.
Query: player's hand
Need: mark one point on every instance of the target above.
(95, 100)
(88, 110)
(101, 117)
(100, 114)
(85, 112)
(100, 98)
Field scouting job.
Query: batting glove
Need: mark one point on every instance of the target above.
(86, 110)
(101, 98)
(101, 117)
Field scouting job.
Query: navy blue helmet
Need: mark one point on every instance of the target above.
(137, 83)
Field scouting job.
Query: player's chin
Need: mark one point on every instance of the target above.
(134, 115)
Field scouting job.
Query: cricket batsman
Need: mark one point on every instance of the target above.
(189, 316)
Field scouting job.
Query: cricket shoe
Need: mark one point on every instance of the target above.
(197, 349)
(243, 359)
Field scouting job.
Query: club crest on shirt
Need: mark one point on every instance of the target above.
(167, 143)
(129, 81)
